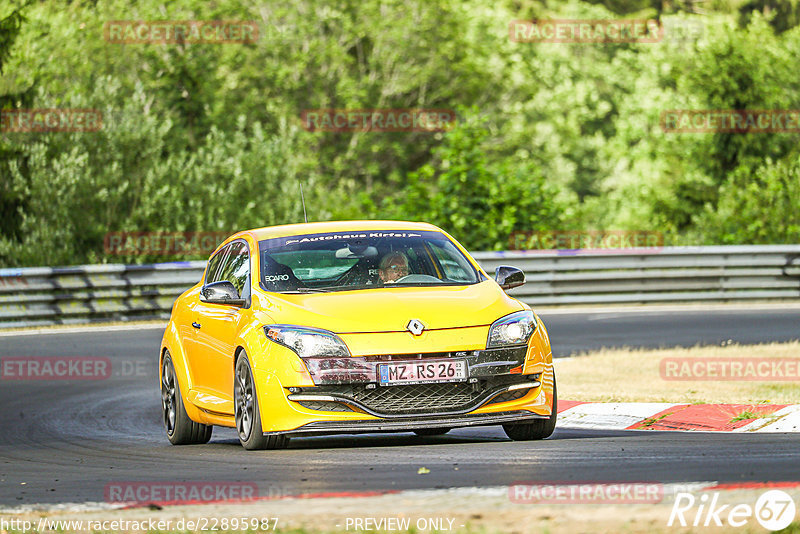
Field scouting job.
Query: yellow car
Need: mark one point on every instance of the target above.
(350, 327)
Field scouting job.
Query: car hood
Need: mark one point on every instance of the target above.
(391, 309)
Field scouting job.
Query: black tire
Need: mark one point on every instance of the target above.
(432, 431)
(180, 429)
(537, 429)
(246, 411)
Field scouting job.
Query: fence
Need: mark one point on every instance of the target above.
(64, 295)
(670, 274)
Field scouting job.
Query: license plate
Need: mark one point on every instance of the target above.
(422, 372)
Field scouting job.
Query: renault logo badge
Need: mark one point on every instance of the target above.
(415, 326)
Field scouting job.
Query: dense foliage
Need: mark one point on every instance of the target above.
(208, 137)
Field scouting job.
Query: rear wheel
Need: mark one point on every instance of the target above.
(537, 429)
(180, 429)
(247, 414)
(432, 431)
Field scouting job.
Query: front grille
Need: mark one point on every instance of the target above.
(420, 398)
(509, 396)
(325, 406)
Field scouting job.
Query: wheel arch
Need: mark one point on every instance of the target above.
(236, 352)
(171, 342)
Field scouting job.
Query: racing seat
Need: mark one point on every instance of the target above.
(364, 272)
(279, 277)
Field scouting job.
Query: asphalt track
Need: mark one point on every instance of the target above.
(65, 442)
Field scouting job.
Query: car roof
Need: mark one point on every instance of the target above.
(268, 232)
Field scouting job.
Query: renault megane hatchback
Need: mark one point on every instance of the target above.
(357, 326)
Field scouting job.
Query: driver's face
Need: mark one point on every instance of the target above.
(395, 270)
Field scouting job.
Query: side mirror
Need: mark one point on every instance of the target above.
(509, 277)
(222, 292)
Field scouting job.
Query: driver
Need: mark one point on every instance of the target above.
(393, 266)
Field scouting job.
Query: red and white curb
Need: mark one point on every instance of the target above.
(685, 417)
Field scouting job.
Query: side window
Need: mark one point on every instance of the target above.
(235, 267)
(213, 265)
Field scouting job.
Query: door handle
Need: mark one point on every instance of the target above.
(196, 324)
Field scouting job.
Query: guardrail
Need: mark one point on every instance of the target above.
(65, 295)
(664, 275)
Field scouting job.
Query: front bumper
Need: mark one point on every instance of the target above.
(339, 398)
(280, 415)
(400, 425)
(421, 400)
(492, 374)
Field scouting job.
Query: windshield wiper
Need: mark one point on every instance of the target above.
(308, 290)
(423, 284)
(332, 289)
(350, 288)
(329, 289)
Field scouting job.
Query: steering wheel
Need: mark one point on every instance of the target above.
(417, 278)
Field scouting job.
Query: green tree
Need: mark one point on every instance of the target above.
(760, 206)
(127, 177)
(781, 14)
(12, 95)
(481, 203)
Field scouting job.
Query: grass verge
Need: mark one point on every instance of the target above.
(624, 375)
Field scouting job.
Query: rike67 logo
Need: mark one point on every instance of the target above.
(774, 510)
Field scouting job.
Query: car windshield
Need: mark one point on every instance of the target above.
(338, 261)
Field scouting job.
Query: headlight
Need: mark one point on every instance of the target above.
(514, 329)
(307, 342)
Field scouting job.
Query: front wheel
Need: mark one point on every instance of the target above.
(246, 412)
(537, 429)
(180, 429)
